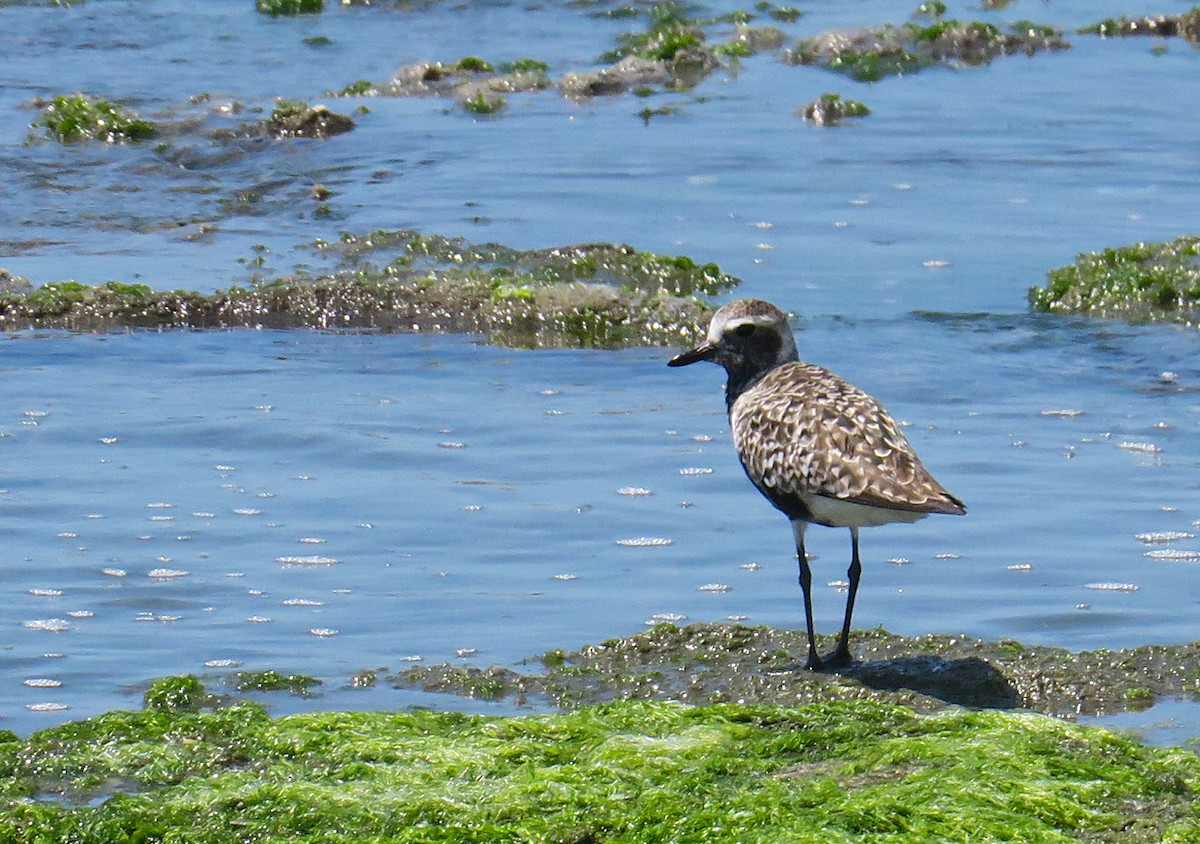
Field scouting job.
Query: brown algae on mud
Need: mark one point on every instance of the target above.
(633, 771)
(720, 663)
(1139, 282)
(584, 295)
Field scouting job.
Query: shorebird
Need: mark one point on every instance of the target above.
(820, 449)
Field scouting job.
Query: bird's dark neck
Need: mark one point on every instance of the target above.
(741, 379)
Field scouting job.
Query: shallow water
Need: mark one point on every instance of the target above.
(413, 496)
(471, 496)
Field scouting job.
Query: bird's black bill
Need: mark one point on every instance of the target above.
(705, 351)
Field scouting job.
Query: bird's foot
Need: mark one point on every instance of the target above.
(814, 662)
(839, 659)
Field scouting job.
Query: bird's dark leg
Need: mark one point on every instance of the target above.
(842, 655)
(814, 659)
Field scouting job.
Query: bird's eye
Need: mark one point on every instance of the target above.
(744, 330)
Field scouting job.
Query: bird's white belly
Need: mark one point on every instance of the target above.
(834, 512)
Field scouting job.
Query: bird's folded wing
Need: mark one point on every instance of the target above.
(811, 433)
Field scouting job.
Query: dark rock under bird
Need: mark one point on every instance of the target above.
(820, 449)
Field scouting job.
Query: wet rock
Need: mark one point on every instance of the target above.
(423, 79)
(716, 663)
(471, 82)
(10, 283)
(289, 119)
(629, 72)
(585, 295)
(304, 121)
(872, 53)
(1186, 26)
(831, 109)
(758, 39)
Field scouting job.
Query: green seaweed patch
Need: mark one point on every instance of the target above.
(484, 102)
(75, 118)
(177, 694)
(1186, 26)
(783, 14)
(277, 8)
(662, 43)
(357, 89)
(1141, 281)
(620, 266)
(274, 681)
(717, 663)
(525, 65)
(831, 109)
(674, 42)
(297, 119)
(647, 114)
(636, 772)
(594, 295)
(473, 64)
(734, 49)
(61, 297)
(614, 13)
(873, 53)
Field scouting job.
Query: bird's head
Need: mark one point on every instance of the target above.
(746, 336)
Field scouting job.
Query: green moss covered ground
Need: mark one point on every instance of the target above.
(878, 753)
(632, 772)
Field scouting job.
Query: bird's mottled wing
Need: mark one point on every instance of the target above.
(802, 430)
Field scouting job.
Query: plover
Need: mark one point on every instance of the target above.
(820, 449)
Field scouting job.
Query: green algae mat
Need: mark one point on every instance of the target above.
(1140, 282)
(630, 772)
(578, 295)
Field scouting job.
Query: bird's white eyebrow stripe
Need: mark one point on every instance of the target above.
(715, 331)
